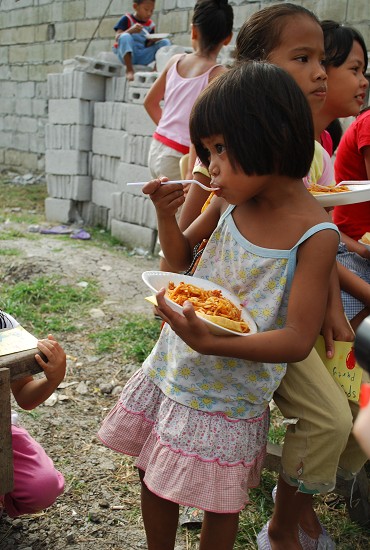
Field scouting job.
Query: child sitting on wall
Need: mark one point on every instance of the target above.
(133, 44)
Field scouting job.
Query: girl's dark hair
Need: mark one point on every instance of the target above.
(338, 40)
(264, 119)
(261, 32)
(214, 19)
(335, 130)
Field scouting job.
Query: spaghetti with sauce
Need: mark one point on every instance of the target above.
(315, 189)
(210, 304)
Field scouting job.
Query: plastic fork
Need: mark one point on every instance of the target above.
(354, 182)
(141, 183)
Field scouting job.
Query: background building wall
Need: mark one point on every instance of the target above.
(67, 110)
(36, 36)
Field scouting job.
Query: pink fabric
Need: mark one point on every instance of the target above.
(37, 483)
(179, 97)
(189, 456)
(194, 482)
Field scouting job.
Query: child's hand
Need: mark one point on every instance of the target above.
(336, 328)
(135, 29)
(166, 198)
(189, 327)
(55, 368)
(365, 253)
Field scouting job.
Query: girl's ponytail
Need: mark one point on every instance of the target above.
(214, 21)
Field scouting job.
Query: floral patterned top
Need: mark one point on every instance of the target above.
(261, 280)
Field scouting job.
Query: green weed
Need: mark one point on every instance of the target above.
(8, 234)
(46, 305)
(133, 338)
(22, 203)
(10, 252)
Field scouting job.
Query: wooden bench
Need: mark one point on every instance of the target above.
(12, 367)
(356, 496)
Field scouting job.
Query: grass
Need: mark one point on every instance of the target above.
(25, 204)
(30, 197)
(10, 252)
(46, 305)
(9, 234)
(133, 338)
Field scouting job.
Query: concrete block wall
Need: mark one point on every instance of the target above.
(37, 37)
(67, 108)
(68, 140)
(97, 139)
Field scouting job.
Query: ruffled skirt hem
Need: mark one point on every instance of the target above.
(189, 457)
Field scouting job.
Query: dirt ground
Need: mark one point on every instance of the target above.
(99, 507)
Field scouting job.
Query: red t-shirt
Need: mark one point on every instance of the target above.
(353, 219)
(327, 142)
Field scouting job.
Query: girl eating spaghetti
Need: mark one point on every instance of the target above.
(196, 414)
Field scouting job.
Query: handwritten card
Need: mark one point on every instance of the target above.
(342, 367)
(16, 339)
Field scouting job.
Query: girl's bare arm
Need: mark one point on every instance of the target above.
(335, 325)
(28, 392)
(354, 285)
(195, 199)
(306, 309)
(176, 245)
(355, 246)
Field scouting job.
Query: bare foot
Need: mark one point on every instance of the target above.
(283, 540)
(311, 525)
(130, 75)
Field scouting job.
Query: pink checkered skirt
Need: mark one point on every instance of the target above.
(189, 456)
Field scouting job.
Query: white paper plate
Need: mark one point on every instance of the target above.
(156, 280)
(364, 244)
(360, 192)
(158, 36)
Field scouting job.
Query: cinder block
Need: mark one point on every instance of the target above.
(92, 66)
(134, 236)
(136, 95)
(53, 86)
(59, 210)
(143, 79)
(110, 114)
(134, 209)
(77, 188)
(88, 86)
(7, 106)
(109, 57)
(104, 168)
(94, 215)
(128, 148)
(141, 151)
(68, 136)
(102, 193)
(107, 142)
(138, 122)
(131, 172)
(77, 84)
(135, 149)
(70, 111)
(67, 163)
(116, 88)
